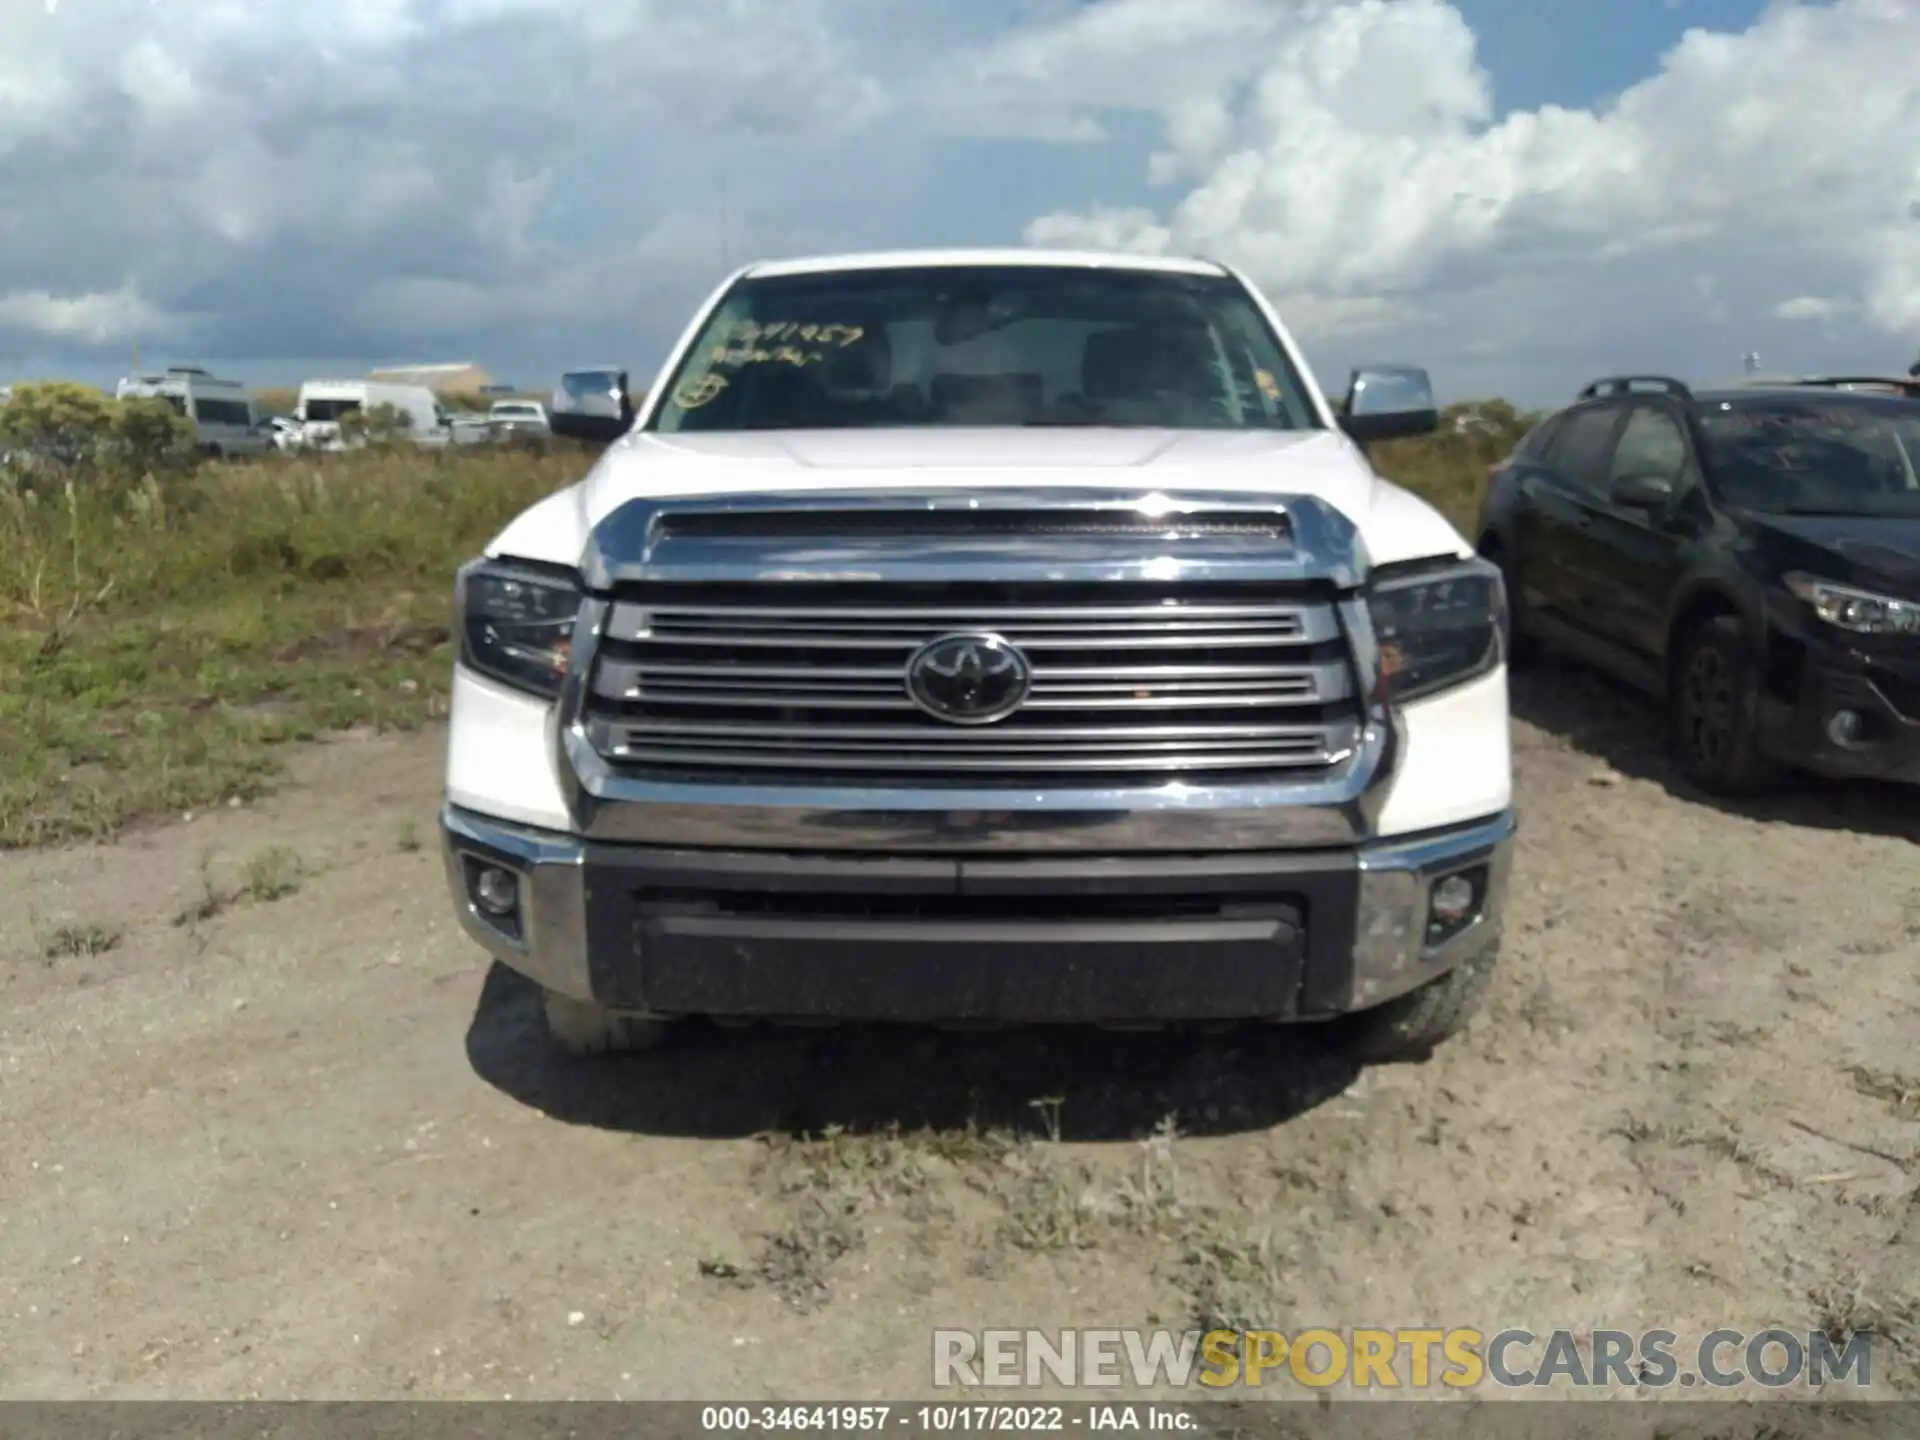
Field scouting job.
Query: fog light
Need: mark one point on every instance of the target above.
(1844, 727)
(496, 891)
(1452, 900)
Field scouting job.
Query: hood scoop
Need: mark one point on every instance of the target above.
(1006, 536)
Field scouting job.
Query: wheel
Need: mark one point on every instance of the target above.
(1409, 1026)
(1523, 649)
(1714, 707)
(582, 1028)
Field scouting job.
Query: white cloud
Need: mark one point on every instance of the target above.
(368, 176)
(99, 318)
(1053, 80)
(1810, 307)
(548, 176)
(1361, 158)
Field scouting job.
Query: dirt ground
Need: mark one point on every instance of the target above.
(270, 1127)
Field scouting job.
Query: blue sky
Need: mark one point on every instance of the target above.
(1517, 193)
(1569, 54)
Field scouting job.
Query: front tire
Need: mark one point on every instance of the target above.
(581, 1027)
(1714, 709)
(1409, 1027)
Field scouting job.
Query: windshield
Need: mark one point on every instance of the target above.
(590, 384)
(1825, 455)
(325, 410)
(986, 345)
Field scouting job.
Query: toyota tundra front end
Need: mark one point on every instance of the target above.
(987, 637)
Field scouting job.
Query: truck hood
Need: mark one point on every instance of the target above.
(1322, 464)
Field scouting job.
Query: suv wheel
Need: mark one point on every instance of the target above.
(1714, 708)
(582, 1028)
(1410, 1026)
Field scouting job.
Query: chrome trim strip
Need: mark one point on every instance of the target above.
(636, 622)
(964, 740)
(630, 678)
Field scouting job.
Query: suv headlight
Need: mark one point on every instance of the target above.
(1436, 626)
(516, 622)
(1860, 611)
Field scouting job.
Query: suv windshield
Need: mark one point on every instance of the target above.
(590, 384)
(986, 345)
(1846, 454)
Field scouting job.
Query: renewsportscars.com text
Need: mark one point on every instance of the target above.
(1407, 1358)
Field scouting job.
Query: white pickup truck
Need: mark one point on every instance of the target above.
(987, 636)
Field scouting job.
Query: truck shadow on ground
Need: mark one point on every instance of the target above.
(1603, 718)
(720, 1083)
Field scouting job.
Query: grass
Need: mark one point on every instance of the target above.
(1851, 1307)
(274, 874)
(1041, 1199)
(165, 640)
(829, 1184)
(80, 941)
(1902, 1092)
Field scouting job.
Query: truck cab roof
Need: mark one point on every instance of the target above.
(1004, 255)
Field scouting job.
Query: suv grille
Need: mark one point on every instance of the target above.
(805, 682)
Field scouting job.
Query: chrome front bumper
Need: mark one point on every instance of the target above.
(1352, 934)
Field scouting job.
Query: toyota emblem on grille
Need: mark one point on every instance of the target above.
(968, 679)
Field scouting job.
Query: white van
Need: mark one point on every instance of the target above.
(223, 418)
(323, 402)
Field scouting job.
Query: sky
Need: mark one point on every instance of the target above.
(1517, 194)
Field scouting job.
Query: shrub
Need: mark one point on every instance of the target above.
(59, 431)
(56, 426)
(149, 437)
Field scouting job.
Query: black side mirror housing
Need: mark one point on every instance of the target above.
(1641, 492)
(1388, 402)
(594, 429)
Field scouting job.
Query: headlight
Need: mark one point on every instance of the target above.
(516, 622)
(1437, 627)
(1860, 611)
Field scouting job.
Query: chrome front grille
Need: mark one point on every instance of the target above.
(806, 682)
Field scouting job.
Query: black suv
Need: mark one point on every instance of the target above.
(1750, 554)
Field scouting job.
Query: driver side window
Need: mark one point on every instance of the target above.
(1651, 444)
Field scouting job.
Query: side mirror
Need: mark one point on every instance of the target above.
(1641, 492)
(594, 429)
(1389, 402)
